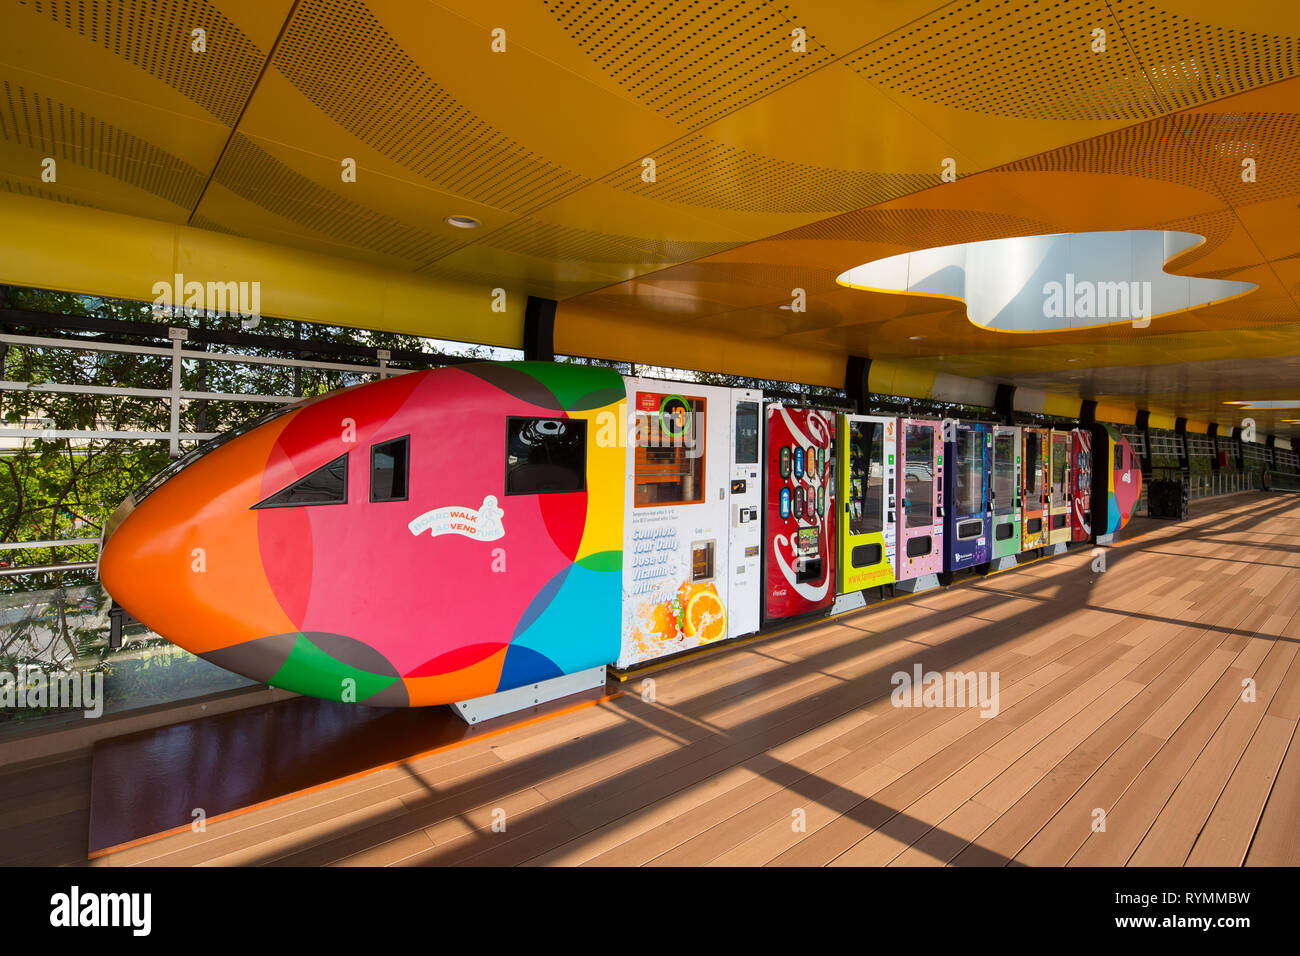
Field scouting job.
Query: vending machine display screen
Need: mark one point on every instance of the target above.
(866, 476)
(1004, 474)
(808, 541)
(970, 471)
(1060, 462)
(1033, 462)
(747, 433)
(920, 474)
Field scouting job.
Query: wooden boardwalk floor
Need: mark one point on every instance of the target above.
(1120, 693)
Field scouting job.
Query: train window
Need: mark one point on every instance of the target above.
(1004, 474)
(670, 446)
(970, 471)
(747, 433)
(545, 456)
(389, 469)
(919, 462)
(327, 485)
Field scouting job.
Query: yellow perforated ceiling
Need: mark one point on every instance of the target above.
(671, 170)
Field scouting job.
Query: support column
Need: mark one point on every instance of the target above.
(856, 386)
(539, 329)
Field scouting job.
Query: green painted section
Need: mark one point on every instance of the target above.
(309, 670)
(574, 385)
(602, 561)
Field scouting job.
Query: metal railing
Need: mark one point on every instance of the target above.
(175, 396)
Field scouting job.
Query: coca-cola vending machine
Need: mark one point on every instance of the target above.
(799, 531)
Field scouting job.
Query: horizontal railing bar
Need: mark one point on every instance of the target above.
(48, 568)
(47, 434)
(20, 545)
(130, 391)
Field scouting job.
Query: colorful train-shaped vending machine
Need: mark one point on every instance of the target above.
(1116, 481)
(799, 543)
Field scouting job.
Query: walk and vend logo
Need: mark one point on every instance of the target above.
(950, 689)
(75, 908)
(212, 299)
(31, 687)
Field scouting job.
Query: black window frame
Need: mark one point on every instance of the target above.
(406, 478)
(267, 503)
(545, 418)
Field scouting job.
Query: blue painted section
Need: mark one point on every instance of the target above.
(580, 627)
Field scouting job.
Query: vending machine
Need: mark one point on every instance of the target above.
(968, 515)
(1034, 476)
(1006, 491)
(867, 477)
(692, 538)
(799, 520)
(920, 515)
(1117, 481)
(1081, 484)
(1058, 510)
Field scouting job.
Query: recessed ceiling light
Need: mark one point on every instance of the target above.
(463, 222)
(916, 337)
(1074, 360)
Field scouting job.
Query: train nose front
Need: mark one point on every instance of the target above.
(184, 560)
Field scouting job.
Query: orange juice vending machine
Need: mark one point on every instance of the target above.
(1059, 492)
(691, 539)
(1034, 475)
(1006, 494)
(920, 514)
(867, 474)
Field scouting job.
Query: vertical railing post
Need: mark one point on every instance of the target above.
(178, 337)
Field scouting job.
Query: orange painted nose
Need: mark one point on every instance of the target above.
(185, 560)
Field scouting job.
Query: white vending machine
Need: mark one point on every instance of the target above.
(692, 540)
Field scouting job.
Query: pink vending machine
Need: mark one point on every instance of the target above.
(920, 513)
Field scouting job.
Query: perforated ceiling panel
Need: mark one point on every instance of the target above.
(922, 227)
(550, 241)
(156, 38)
(249, 171)
(692, 60)
(66, 134)
(1036, 60)
(37, 192)
(343, 60)
(704, 172)
(1201, 150)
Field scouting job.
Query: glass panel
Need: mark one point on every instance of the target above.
(388, 470)
(1033, 463)
(670, 445)
(866, 477)
(327, 485)
(919, 452)
(545, 455)
(1004, 474)
(746, 433)
(1060, 463)
(970, 471)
